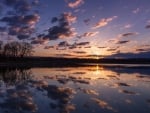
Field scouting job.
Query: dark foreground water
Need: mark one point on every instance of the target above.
(91, 89)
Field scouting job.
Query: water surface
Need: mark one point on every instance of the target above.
(89, 89)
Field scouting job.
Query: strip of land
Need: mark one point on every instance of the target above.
(64, 62)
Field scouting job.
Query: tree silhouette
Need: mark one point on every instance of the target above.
(26, 49)
(17, 49)
(1, 48)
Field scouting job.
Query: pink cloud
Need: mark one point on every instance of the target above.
(70, 18)
(75, 4)
(90, 34)
(103, 22)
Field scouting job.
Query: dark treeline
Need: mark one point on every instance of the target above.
(63, 62)
(15, 49)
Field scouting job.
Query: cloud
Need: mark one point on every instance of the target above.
(3, 29)
(48, 47)
(20, 20)
(10, 2)
(75, 4)
(112, 49)
(21, 26)
(102, 47)
(63, 44)
(67, 16)
(122, 42)
(87, 47)
(64, 55)
(118, 39)
(63, 28)
(54, 19)
(79, 52)
(103, 22)
(87, 21)
(147, 27)
(143, 49)
(35, 2)
(127, 26)
(145, 45)
(20, 31)
(90, 34)
(140, 50)
(12, 20)
(135, 11)
(72, 47)
(112, 40)
(78, 45)
(93, 55)
(82, 43)
(20, 6)
(30, 19)
(128, 34)
(22, 36)
(39, 41)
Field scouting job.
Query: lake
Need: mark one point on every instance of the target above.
(86, 89)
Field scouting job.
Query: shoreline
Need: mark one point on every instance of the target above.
(70, 64)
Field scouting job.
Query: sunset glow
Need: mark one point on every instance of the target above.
(78, 28)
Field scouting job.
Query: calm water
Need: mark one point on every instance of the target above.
(91, 89)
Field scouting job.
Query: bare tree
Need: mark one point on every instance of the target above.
(7, 49)
(17, 49)
(1, 48)
(12, 49)
(26, 49)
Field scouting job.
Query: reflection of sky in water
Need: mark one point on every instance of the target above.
(75, 90)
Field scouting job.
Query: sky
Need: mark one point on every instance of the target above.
(79, 28)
